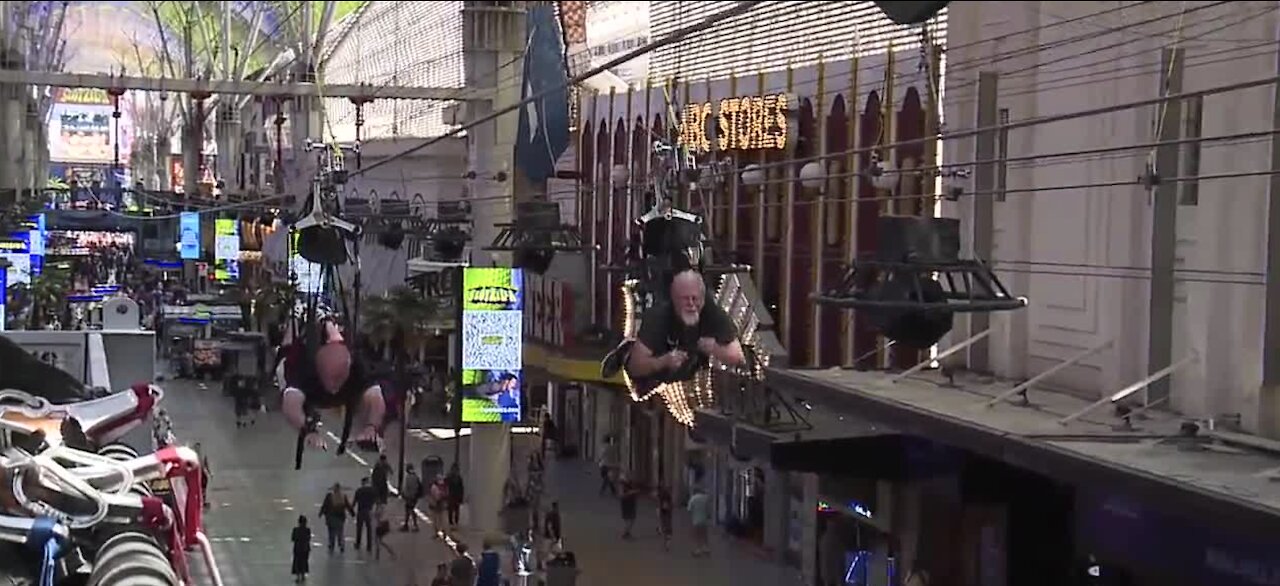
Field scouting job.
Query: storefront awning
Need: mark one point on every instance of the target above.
(567, 368)
(834, 444)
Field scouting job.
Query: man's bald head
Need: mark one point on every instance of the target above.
(333, 365)
(688, 293)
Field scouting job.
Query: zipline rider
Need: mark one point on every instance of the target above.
(331, 378)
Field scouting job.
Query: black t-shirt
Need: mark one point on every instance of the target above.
(300, 373)
(662, 331)
(365, 498)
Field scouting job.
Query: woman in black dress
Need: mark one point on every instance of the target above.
(301, 550)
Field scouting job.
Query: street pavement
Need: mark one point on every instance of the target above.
(256, 497)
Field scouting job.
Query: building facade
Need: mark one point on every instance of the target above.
(820, 80)
(1074, 233)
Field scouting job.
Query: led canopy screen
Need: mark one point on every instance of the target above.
(492, 344)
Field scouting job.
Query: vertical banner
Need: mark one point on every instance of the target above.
(189, 235)
(492, 344)
(4, 299)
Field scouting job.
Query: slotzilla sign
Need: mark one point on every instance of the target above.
(748, 123)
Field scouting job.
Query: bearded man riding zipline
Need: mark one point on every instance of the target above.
(327, 377)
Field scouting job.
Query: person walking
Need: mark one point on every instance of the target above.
(301, 539)
(437, 504)
(665, 507)
(334, 511)
(700, 518)
(608, 465)
(456, 495)
(380, 478)
(382, 529)
(489, 567)
(204, 473)
(629, 500)
(410, 492)
(551, 523)
(366, 498)
(462, 570)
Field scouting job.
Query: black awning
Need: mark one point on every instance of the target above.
(877, 455)
(835, 444)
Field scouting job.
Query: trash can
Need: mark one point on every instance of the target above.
(562, 576)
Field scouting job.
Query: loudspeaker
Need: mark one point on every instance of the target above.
(914, 239)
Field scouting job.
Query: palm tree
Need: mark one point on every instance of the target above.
(272, 303)
(401, 322)
(48, 292)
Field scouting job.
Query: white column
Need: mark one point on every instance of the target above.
(493, 38)
(490, 467)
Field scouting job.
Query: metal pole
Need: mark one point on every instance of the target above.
(1269, 393)
(1164, 228)
(983, 221)
(455, 366)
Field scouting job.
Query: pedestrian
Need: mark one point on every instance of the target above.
(550, 434)
(442, 576)
(629, 499)
(366, 498)
(334, 511)
(383, 528)
(608, 464)
(700, 517)
(204, 473)
(489, 568)
(301, 538)
(456, 495)
(437, 504)
(410, 492)
(380, 478)
(462, 570)
(665, 507)
(551, 523)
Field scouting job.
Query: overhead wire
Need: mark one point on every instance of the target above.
(738, 9)
(829, 155)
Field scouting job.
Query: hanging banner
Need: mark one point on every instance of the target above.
(82, 129)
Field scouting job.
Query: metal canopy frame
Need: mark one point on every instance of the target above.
(969, 286)
(980, 336)
(1024, 386)
(1124, 393)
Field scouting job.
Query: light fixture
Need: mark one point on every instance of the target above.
(752, 175)
(884, 176)
(619, 175)
(813, 175)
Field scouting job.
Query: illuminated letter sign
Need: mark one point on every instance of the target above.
(753, 123)
(693, 128)
(492, 345)
(749, 123)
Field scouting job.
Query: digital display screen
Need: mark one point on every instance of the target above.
(492, 344)
(189, 236)
(226, 249)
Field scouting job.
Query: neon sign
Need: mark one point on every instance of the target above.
(747, 123)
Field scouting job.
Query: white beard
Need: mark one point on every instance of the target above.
(689, 319)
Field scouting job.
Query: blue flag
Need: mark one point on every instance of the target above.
(544, 123)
